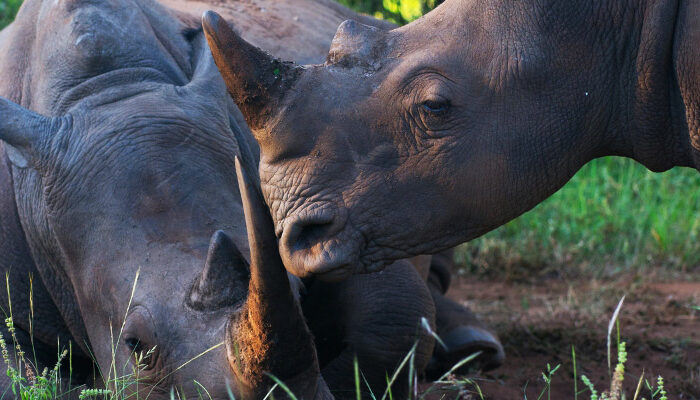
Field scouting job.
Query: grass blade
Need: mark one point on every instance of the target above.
(611, 325)
(573, 357)
(356, 368)
(283, 386)
(426, 325)
(639, 386)
(458, 366)
(390, 382)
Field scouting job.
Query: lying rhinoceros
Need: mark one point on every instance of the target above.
(462, 120)
(125, 166)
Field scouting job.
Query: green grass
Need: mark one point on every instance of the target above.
(613, 216)
(30, 384)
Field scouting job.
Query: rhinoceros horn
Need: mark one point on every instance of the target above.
(270, 336)
(25, 131)
(224, 280)
(256, 80)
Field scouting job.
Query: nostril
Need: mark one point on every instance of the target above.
(315, 242)
(306, 232)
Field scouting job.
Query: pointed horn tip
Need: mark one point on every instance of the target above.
(237, 161)
(224, 279)
(218, 237)
(220, 245)
(210, 22)
(241, 174)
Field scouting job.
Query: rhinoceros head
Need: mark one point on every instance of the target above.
(128, 193)
(418, 138)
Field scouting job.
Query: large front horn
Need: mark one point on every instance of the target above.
(256, 80)
(270, 336)
(24, 131)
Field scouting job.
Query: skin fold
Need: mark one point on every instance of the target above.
(460, 121)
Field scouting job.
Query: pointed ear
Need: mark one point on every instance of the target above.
(24, 131)
(357, 45)
(256, 80)
(206, 77)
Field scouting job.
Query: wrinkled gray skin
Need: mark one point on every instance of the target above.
(463, 120)
(126, 164)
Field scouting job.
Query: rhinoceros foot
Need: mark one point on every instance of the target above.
(463, 334)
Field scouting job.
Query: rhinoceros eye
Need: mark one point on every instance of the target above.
(134, 344)
(139, 339)
(143, 354)
(436, 107)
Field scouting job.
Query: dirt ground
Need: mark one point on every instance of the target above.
(538, 322)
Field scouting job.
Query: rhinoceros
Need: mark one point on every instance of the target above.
(460, 121)
(463, 333)
(120, 211)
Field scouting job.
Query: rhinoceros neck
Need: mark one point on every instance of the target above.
(650, 126)
(637, 111)
(621, 58)
(612, 61)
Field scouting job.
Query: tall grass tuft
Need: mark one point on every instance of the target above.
(26, 382)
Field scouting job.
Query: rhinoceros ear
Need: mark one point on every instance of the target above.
(206, 78)
(256, 80)
(24, 131)
(357, 45)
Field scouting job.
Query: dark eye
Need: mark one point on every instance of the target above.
(134, 344)
(436, 107)
(139, 339)
(142, 354)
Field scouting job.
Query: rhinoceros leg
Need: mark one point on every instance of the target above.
(458, 327)
(376, 318)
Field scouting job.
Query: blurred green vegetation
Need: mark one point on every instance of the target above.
(8, 9)
(397, 11)
(614, 216)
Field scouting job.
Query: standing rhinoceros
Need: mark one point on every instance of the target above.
(462, 120)
(125, 163)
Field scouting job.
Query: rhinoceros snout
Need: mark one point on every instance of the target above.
(316, 242)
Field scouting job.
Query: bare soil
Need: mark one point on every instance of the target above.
(539, 322)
